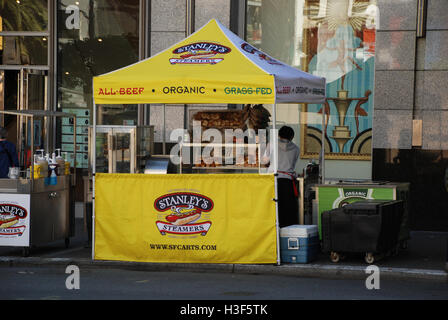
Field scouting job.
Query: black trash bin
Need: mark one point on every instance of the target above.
(369, 226)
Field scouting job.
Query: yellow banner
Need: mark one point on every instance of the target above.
(210, 218)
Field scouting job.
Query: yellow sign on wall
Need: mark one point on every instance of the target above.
(213, 218)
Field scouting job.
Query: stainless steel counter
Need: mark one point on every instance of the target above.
(37, 185)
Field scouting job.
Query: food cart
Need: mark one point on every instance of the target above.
(337, 195)
(35, 210)
(195, 218)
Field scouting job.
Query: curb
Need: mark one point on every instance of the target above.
(344, 272)
(302, 270)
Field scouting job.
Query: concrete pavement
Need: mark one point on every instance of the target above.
(424, 259)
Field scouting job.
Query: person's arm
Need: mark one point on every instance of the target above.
(15, 158)
(266, 157)
(296, 156)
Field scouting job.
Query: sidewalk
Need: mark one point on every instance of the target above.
(424, 259)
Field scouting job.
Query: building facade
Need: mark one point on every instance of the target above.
(384, 61)
(410, 127)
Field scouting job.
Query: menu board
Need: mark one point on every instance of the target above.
(82, 137)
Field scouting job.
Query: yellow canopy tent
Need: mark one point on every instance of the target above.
(213, 65)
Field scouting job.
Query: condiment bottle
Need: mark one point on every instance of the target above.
(43, 163)
(36, 173)
(60, 162)
(67, 164)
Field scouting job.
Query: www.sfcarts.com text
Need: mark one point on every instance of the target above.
(182, 247)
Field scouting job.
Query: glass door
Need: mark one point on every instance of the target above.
(9, 89)
(102, 152)
(115, 149)
(32, 95)
(123, 155)
(24, 89)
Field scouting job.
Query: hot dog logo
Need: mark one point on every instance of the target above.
(199, 53)
(10, 216)
(184, 213)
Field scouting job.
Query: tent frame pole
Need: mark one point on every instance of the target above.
(275, 143)
(164, 130)
(93, 172)
(322, 151)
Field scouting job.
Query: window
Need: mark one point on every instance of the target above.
(330, 38)
(94, 37)
(24, 32)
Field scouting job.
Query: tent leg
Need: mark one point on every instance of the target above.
(275, 142)
(277, 228)
(93, 176)
(164, 130)
(322, 151)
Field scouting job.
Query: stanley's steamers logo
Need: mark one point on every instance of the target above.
(185, 213)
(199, 53)
(10, 217)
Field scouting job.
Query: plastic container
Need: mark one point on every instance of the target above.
(60, 169)
(379, 219)
(43, 164)
(369, 226)
(299, 243)
(13, 172)
(67, 164)
(53, 179)
(36, 173)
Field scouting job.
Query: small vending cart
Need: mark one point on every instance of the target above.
(337, 195)
(196, 218)
(35, 209)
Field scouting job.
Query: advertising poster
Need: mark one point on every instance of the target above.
(213, 218)
(14, 220)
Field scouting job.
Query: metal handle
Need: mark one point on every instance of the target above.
(52, 195)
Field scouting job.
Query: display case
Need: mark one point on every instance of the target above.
(241, 152)
(220, 157)
(122, 149)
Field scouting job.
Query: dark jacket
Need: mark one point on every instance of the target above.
(8, 158)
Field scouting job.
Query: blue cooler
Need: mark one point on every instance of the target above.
(299, 243)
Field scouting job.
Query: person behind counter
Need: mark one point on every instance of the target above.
(288, 154)
(8, 154)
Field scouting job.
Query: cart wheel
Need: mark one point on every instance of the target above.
(67, 242)
(334, 257)
(369, 258)
(26, 252)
